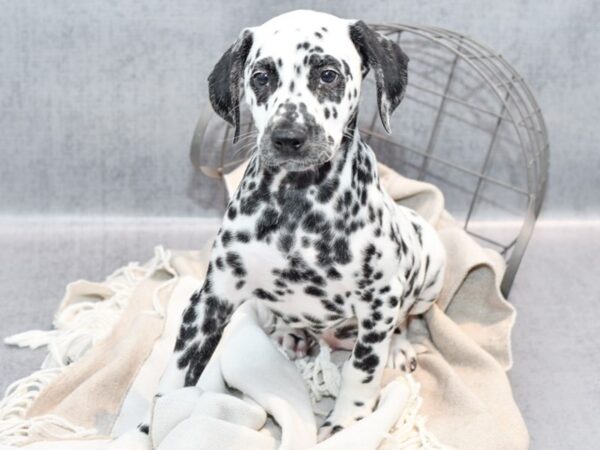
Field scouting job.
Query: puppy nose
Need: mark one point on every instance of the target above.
(288, 138)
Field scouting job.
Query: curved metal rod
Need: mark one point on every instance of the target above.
(519, 90)
(537, 178)
(497, 73)
(434, 35)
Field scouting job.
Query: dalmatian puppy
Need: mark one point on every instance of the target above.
(310, 232)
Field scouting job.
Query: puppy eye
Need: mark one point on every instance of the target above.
(260, 78)
(328, 76)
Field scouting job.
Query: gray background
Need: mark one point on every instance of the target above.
(98, 99)
(98, 103)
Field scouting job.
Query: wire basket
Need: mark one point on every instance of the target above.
(468, 124)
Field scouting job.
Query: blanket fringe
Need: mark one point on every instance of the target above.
(77, 328)
(15, 429)
(410, 432)
(321, 375)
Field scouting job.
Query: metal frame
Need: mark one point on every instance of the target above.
(495, 77)
(518, 107)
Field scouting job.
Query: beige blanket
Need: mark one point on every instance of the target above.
(111, 341)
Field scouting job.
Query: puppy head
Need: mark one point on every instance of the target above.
(301, 74)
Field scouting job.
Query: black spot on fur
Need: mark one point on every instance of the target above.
(243, 236)
(374, 337)
(231, 212)
(264, 295)
(368, 363)
(315, 291)
(333, 274)
(361, 350)
(226, 238)
(267, 223)
(341, 251)
(234, 261)
(285, 242)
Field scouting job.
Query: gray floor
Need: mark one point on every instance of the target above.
(556, 340)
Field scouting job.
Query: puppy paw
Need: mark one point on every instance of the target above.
(336, 422)
(402, 355)
(293, 342)
(327, 430)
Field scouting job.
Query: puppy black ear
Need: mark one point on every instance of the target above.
(225, 81)
(389, 63)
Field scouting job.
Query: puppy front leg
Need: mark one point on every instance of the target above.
(202, 325)
(361, 375)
